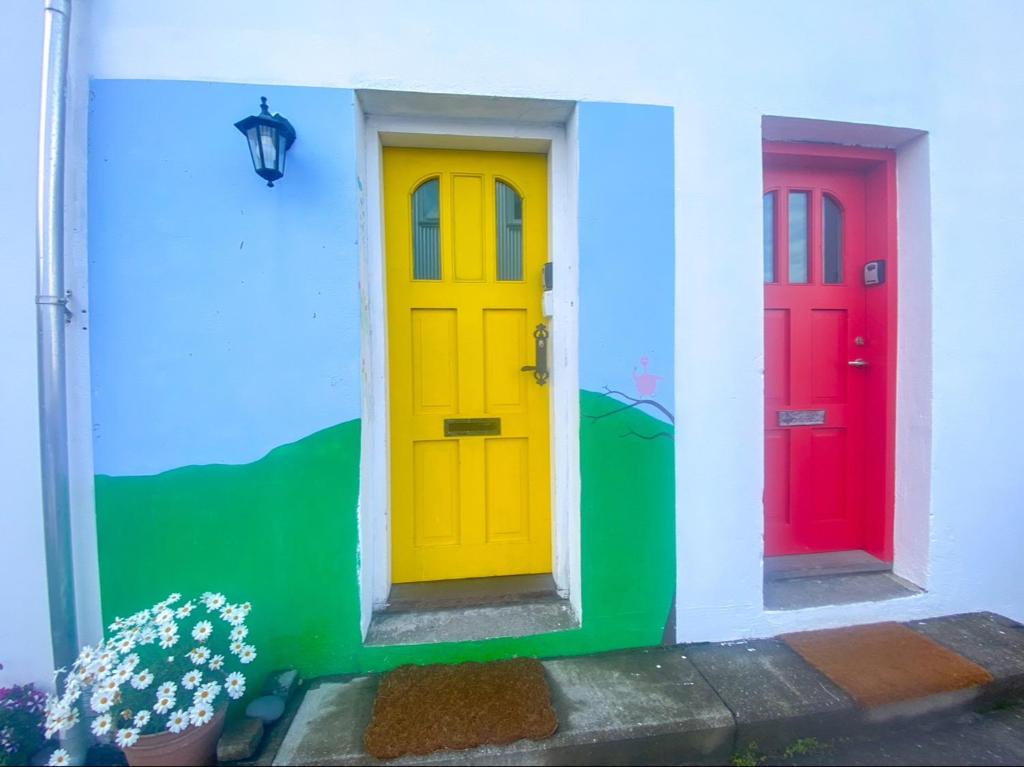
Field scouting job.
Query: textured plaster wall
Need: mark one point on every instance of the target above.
(947, 68)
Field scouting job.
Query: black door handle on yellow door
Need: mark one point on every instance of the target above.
(540, 346)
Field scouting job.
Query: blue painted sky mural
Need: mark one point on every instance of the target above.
(225, 315)
(627, 250)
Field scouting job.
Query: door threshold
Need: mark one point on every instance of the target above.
(470, 592)
(470, 610)
(822, 565)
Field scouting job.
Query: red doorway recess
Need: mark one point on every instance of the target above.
(830, 349)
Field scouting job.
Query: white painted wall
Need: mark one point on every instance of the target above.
(953, 69)
(24, 610)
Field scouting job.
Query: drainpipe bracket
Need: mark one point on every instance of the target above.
(57, 301)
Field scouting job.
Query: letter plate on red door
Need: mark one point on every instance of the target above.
(801, 417)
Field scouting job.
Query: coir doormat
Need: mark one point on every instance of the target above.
(420, 709)
(886, 662)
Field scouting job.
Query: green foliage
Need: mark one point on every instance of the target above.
(21, 723)
(749, 756)
(803, 746)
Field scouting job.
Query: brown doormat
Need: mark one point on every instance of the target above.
(420, 709)
(886, 662)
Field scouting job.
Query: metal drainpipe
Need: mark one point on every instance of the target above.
(51, 317)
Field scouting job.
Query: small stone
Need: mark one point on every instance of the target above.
(281, 683)
(268, 708)
(240, 740)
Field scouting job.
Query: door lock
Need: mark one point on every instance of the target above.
(858, 363)
(540, 347)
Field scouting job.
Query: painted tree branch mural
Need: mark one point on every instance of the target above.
(646, 385)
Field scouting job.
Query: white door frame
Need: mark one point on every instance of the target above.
(559, 141)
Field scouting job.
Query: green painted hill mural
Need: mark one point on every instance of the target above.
(281, 532)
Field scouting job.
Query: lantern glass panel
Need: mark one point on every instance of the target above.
(282, 150)
(254, 146)
(269, 146)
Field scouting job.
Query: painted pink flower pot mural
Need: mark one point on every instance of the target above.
(646, 383)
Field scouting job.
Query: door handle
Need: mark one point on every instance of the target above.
(858, 363)
(540, 348)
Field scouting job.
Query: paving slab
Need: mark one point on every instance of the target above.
(992, 641)
(775, 696)
(642, 706)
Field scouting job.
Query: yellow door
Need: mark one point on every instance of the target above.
(466, 242)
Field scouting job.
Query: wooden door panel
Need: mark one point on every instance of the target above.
(435, 354)
(436, 493)
(506, 338)
(829, 369)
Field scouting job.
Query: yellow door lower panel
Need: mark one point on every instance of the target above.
(465, 245)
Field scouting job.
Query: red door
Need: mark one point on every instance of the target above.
(815, 367)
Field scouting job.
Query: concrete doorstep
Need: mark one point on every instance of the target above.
(685, 704)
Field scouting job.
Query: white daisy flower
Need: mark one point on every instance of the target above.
(141, 719)
(202, 631)
(177, 721)
(236, 647)
(232, 614)
(164, 617)
(147, 636)
(101, 725)
(199, 655)
(206, 693)
(110, 684)
(72, 692)
(184, 611)
(85, 657)
(248, 654)
(238, 633)
(101, 701)
(175, 597)
(141, 617)
(127, 736)
(142, 680)
(168, 641)
(214, 602)
(121, 676)
(59, 757)
(246, 607)
(124, 644)
(117, 625)
(235, 685)
(192, 679)
(167, 690)
(164, 703)
(216, 663)
(130, 661)
(200, 714)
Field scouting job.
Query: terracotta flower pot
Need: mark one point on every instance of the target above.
(194, 746)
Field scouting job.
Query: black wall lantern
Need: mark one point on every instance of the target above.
(270, 137)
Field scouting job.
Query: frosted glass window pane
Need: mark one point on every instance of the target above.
(426, 231)
(769, 237)
(510, 232)
(832, 241)
(798, 220)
